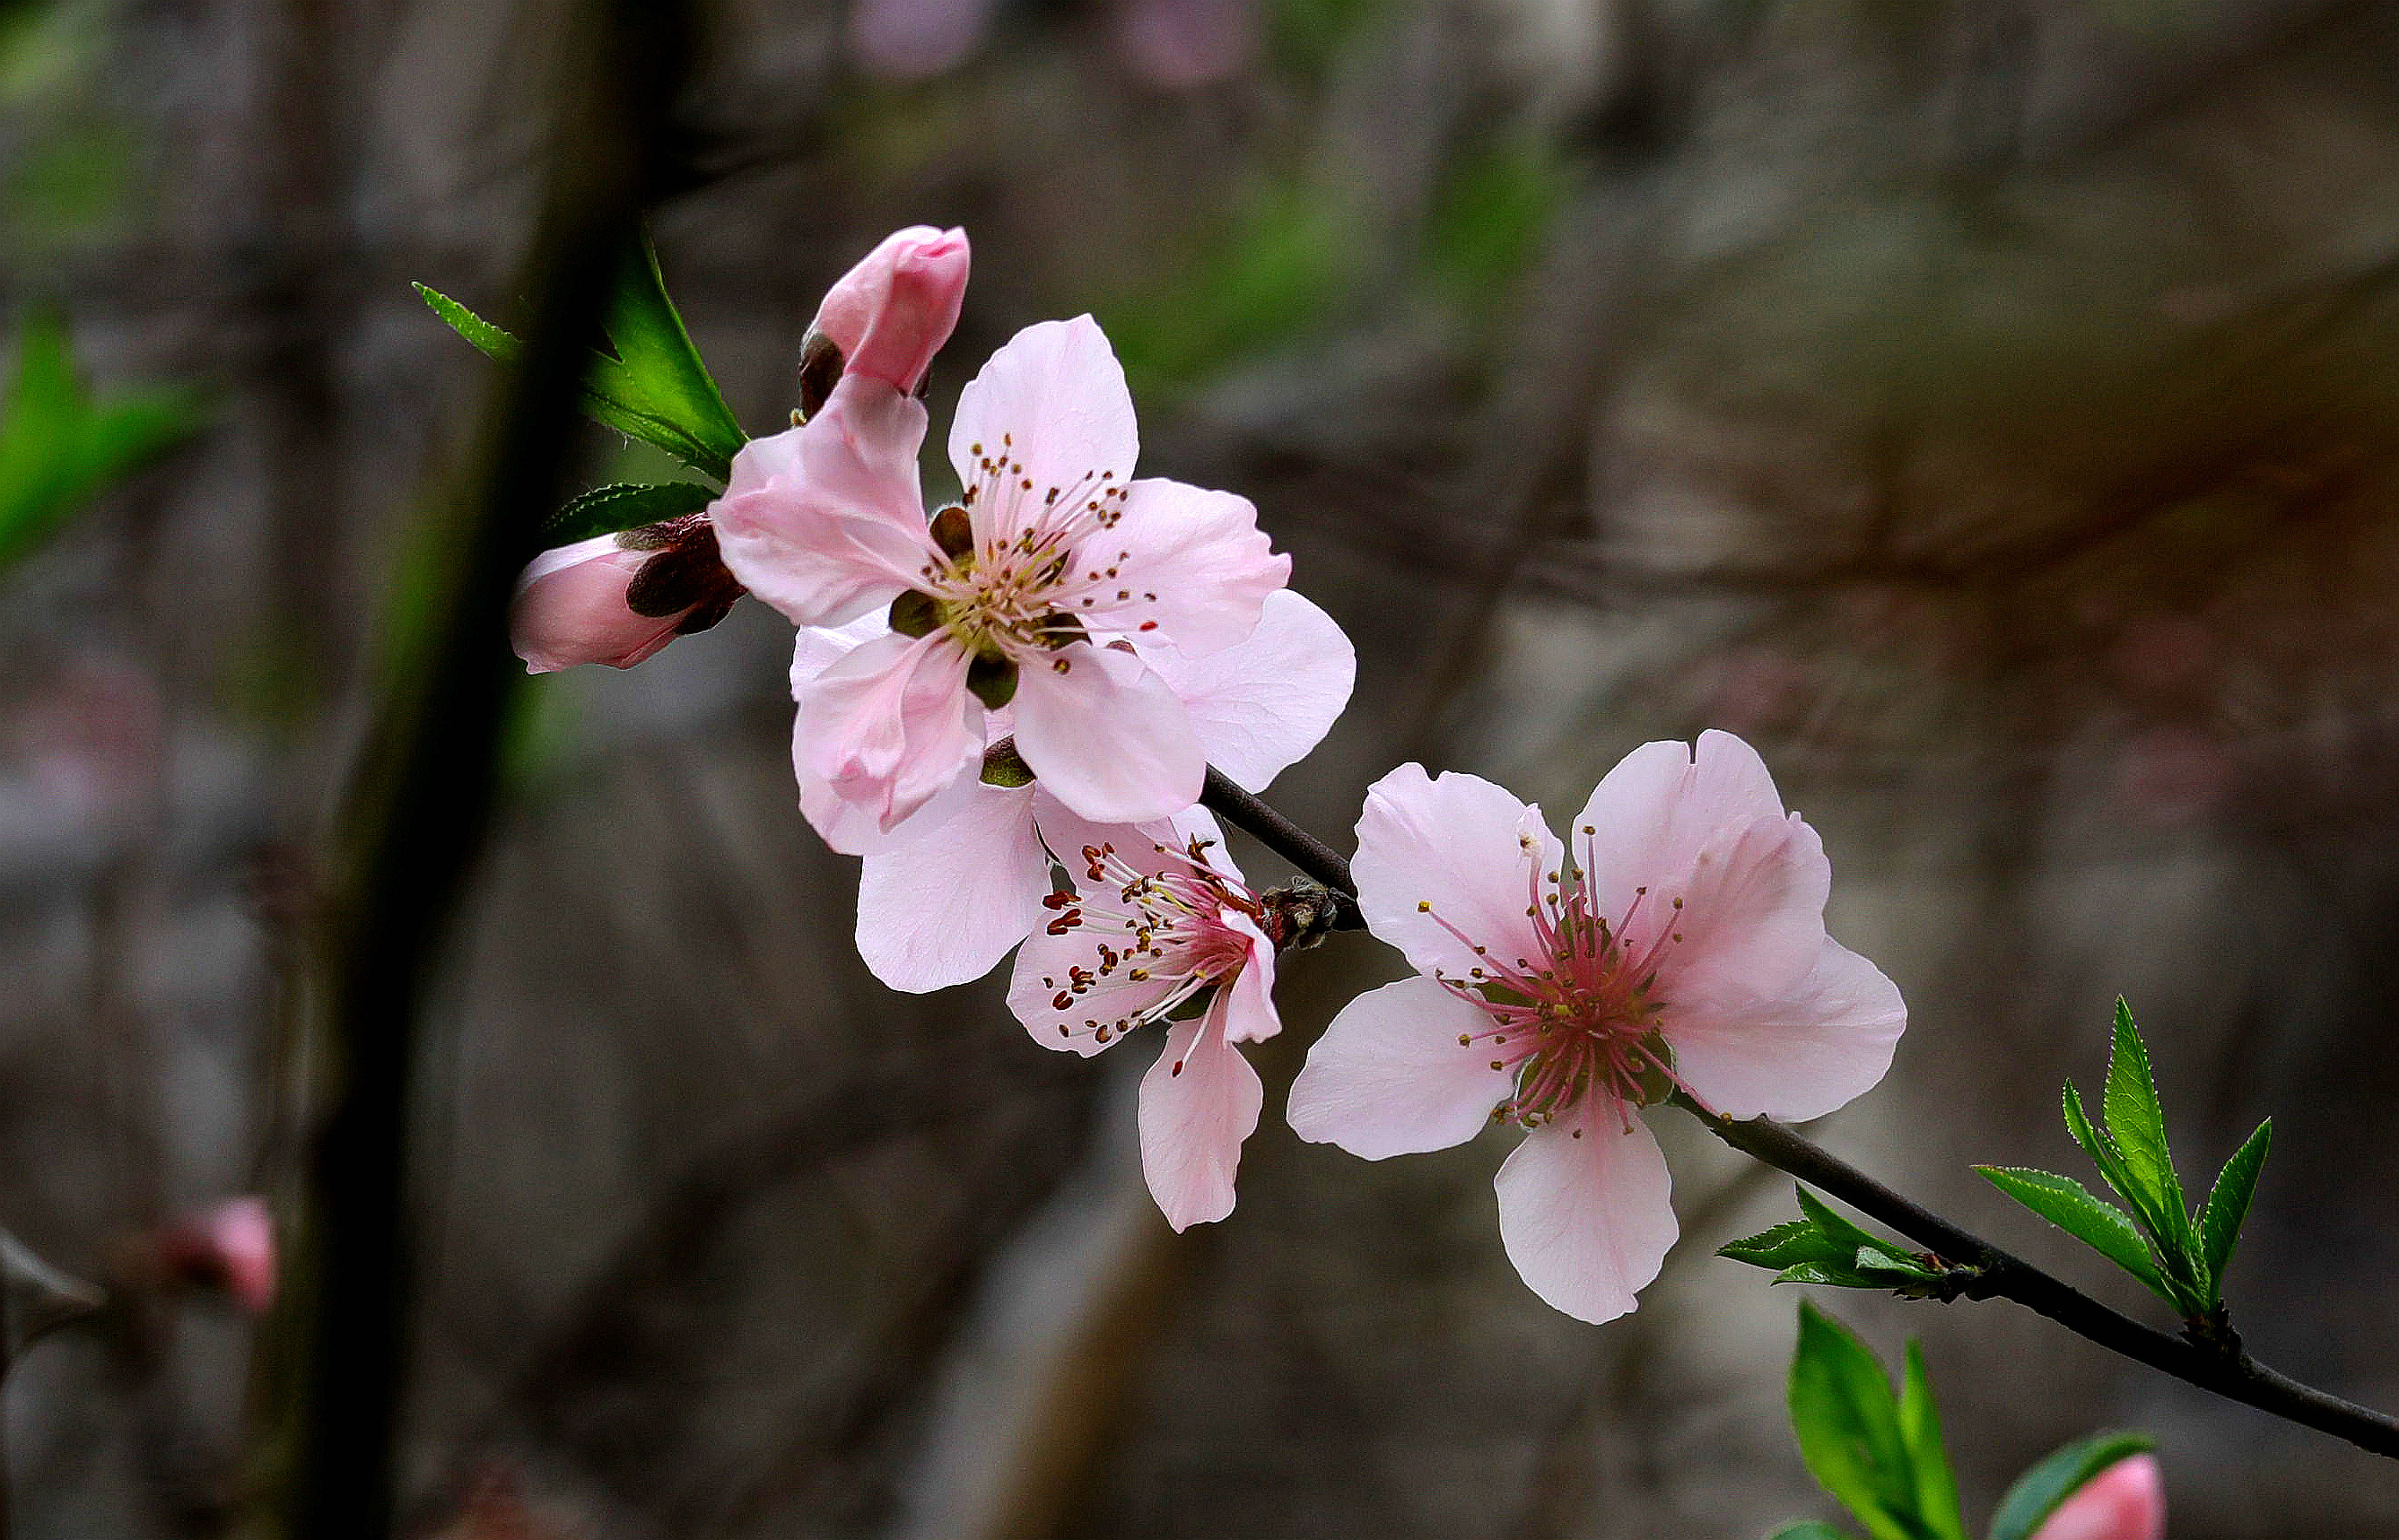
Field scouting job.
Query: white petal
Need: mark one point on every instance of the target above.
(1266, 701)
(1105, 735)
(1198, 1103)
(1053, 401)
(1463, 846)
(1796, 1056)
(1389, 1076)
(945, 907)
(1587, 1219)
(1650, 818)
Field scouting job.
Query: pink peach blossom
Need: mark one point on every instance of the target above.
(617, 599)
(887, 316)
(229, 1246)
(1154, 928)
(1015, 596)
(943, 897)
(1682, 946)
(2127, 1501)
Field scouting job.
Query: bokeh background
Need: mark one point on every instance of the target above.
(1984, 406)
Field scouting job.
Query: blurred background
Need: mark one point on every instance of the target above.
(1985, 407)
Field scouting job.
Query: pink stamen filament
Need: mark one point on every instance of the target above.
(1172, 927)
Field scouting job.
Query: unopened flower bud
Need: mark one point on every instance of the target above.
(2127, 1501)
(617, 598)
(887, 316)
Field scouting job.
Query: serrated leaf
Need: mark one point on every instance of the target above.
(2136, 1126)
(2228, 1206)
(2087, 1217)
(490, 341)
(2038, 1491)
(661, 394)
(1830, 1274)
(1809, 1529)
(622, 505)
(659, 371)
(1847, 1423)
(1873, 1259)
(1834, 1227)
(1920, 1430)
(1794, 1240)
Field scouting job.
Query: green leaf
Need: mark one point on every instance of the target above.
(622, 505)
(2088, 1218)
(656, 390)
(1873, 1262)
(1795, 1240)
(2038, 1490)
(659, 371)
(1847, 1423)
(2136, 1126)
(59, 447)
(2227, 1205)
(1919, 1429)
(489, 340)
(1809, 1529)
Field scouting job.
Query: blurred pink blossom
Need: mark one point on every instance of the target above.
(1176, 43)
(1012, 598)
(2172, 775)
(229, 1246)
(2127, 1501)
(1152, 926)
(1683, 946)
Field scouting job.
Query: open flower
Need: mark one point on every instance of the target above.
(1013, 597)
(1163, 930)
(1682, 946)
(617, 599)
(942, 897)
(2127, 1501)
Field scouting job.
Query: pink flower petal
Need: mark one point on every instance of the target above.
(1106, 736)
(1796, 1056)
(1651, 816)
(824, 521)
(1043, 967)
(570, 609)
(1390, 1077)
(1194, 562)
(893, 311)
(1752, 921)
(945, 907)
(1266, 701)
(1198, 1103)
(1587, 1219)
(1467, 848)
(2127, 1501)
(1053, 398)
(1248, 1004)
(890, 726)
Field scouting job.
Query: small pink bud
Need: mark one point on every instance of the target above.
(2127, 1501)
(617, 598)
(230, 1246)
(892, 312)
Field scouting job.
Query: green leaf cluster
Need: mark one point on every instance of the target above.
(1821, 1246)
(1879, 1453)
(654, 389)
(60, 444)
(2179, 1256)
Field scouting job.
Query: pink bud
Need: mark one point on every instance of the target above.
(570, 609)
(893, 311)
(2127, 1501)
(229, 1247)
(616, 599)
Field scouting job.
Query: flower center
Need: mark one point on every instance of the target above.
(1023, 565)
(1164, 927)
(1582, 1017)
